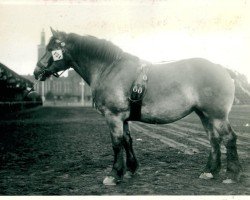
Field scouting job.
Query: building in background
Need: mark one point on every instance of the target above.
(70, 89)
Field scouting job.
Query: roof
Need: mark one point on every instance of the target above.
(11, 80)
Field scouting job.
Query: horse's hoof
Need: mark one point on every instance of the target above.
(128, 174)
(228, 181)
(206, 176)
(109, 180)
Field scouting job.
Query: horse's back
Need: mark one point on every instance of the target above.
(176, 88)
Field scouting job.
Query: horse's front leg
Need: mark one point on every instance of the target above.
(131, 161)
(115, 124)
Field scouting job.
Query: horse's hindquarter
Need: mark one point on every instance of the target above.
(215, 89)
(175, 89)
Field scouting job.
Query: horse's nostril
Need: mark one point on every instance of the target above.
(36, 73)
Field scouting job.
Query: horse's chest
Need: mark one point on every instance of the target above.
(110, 101)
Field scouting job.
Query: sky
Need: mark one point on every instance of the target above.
(154, 30)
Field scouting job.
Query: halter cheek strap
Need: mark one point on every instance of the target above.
(58, 55)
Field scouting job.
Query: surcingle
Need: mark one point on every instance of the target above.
(138, 90)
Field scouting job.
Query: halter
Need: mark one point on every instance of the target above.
(57, 55)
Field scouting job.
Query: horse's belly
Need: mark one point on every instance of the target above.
(163, 119)
(166, 111)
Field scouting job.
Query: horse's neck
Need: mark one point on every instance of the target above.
(92, 66)
(90, 70)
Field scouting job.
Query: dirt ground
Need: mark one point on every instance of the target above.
(67, 151)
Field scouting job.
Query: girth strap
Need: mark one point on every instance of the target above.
(138, 91)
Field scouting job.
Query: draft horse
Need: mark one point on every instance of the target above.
(174, 90)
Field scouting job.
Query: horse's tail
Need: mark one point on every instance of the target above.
(242, 87)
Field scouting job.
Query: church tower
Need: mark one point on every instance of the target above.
(41, 46)
(41, 52)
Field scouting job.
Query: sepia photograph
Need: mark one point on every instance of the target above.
(147, 98)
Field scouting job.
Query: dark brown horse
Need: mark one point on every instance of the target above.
(174, 90)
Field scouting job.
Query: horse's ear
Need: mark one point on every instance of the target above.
(54, 33)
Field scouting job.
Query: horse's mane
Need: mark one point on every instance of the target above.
(95, 48)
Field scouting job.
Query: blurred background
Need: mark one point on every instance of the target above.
(152, 30)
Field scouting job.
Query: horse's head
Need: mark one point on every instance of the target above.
(55, 59)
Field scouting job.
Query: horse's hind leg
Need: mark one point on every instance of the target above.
(213, 165)
(131, 161)
(229, 139)
(220, 130)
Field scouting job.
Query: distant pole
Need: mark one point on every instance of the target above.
(82, 84)
(43, 97)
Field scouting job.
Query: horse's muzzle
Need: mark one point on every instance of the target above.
(39, 73)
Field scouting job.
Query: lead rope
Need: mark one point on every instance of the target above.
(58, 75)
(37, 81)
